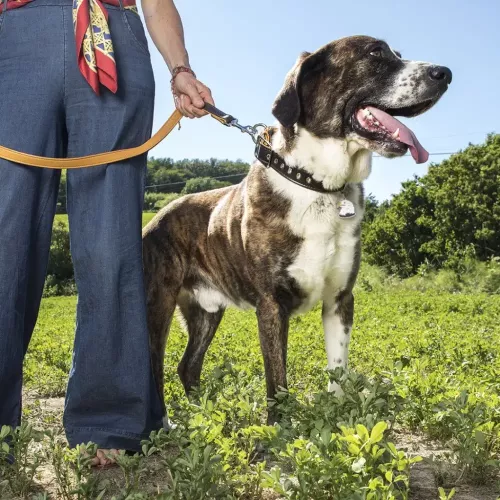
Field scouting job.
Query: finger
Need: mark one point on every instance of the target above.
(194, 96)
(205, 93)
(197, 112)
(185, 106)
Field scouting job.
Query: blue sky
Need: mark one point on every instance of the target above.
(242, 51)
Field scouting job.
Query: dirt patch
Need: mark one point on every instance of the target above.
(423, 483)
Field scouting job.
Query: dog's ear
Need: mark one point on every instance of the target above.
(286, 107)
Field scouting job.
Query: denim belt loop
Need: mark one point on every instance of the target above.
(5, 6)
(121, 5)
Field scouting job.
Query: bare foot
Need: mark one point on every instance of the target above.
(104, 458)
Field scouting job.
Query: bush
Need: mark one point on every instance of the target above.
(151, 201)
(200, 184)
(475, 277)
(170, 176)
(167, 198)
(60, 277)
(156, 201)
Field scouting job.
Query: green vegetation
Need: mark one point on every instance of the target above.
(439, 219)
(201, 184)
(425, 361)
(171, 176)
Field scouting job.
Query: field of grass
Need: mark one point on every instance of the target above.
(424, 364)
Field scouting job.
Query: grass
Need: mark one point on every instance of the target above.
(426, 362)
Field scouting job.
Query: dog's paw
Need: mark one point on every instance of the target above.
(167, 424)
(335, 388)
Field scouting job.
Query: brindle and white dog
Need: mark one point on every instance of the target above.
(275, 246)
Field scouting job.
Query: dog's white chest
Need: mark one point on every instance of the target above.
(326, 256)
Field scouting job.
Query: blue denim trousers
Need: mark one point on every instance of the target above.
(47, 108)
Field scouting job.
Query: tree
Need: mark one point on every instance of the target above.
(451, 212)
(371, 208)
(394, 238)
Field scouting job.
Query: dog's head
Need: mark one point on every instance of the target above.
(353, 87)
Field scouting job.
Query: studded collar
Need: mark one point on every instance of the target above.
(297, 175)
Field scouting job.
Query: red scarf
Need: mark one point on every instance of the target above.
(94, 47)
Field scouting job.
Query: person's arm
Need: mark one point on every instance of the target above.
(165, 27)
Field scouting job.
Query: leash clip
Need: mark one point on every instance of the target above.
(231, 121)
(252, 130)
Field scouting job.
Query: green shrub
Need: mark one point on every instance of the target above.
(60, 277)
(167, 198)
(151, 201)
(200, 184)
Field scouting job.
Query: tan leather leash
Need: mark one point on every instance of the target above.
(92, 160)
(120, 154)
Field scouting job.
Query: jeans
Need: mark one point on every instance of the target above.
(47, 108)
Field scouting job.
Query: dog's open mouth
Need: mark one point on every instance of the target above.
(381, 126)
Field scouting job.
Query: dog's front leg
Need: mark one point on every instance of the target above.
(273, 333)
(338, 312)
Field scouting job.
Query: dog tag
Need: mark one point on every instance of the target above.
(346, 209)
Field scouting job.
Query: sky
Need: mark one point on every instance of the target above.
(242, 50)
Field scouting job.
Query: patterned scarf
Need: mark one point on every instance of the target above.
(94, 47)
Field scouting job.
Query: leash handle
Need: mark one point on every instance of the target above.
(219, 115)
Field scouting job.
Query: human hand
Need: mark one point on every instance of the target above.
(190, 95)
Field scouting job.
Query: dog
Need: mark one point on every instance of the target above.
(288, 236)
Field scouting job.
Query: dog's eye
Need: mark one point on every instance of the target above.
(377, 52)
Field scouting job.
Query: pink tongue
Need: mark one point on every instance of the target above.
(406, 136)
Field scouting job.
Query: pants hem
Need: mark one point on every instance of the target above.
(107, 438)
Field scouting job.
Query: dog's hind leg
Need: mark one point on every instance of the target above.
(337, 317)
(273, 333)
(201, 326)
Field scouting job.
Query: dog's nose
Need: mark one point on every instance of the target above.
(439, 73)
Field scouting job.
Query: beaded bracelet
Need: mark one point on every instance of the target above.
(176, 71)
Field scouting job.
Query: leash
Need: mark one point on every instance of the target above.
(121, 154)
(92, 160)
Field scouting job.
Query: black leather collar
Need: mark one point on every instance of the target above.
(297, 175)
